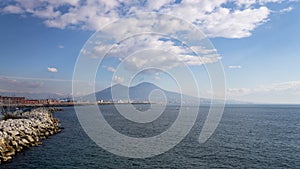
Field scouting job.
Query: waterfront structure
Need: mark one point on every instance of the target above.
(10, 101)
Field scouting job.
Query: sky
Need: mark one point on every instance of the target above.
(257, 42)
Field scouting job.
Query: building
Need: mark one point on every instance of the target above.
(12, 100)
(31, 102)
(19, 101)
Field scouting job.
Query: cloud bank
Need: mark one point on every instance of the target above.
(217, 18)
(275, 87)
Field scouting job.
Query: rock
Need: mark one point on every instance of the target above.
(30, 139)
(13, 133)
(47, 133)
(26, 131)
(6, 158)
(25, 141)
(12, 152)
(14, 144)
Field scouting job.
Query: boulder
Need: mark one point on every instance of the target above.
(26, 131)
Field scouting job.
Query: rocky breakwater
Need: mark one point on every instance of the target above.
(26, 130)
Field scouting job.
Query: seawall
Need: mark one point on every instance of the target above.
(26, 131)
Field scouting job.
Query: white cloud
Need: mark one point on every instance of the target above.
(279, 86)
(12, 9)
(157, 78)
(217, 18)
(111, 69)
(237, 24)
(275, 87)
(118, 79)
(270, 1)
(52, 69)
(61, 46)
(235, 67)
(24, 85)
(46, 13)
(150, 51)
(16, 85)
(288, 9)
(246, 3)
(238, 91)
(164, 61)
(156, 5)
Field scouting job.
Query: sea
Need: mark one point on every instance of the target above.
(248, 136)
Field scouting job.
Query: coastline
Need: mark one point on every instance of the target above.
(26, 130)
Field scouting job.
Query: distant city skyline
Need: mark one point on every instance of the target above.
(258, 42)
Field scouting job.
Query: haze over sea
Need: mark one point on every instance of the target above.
(251, 136)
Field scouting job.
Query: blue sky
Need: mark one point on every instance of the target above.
(257, 40)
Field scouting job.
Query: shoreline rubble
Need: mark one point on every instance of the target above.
(26, 131)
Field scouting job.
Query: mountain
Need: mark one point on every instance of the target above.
(142, 91)
(106, 94)
(138, 93)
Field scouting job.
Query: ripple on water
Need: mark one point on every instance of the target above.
(248, 136)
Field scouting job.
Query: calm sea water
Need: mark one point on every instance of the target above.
(249, 136)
